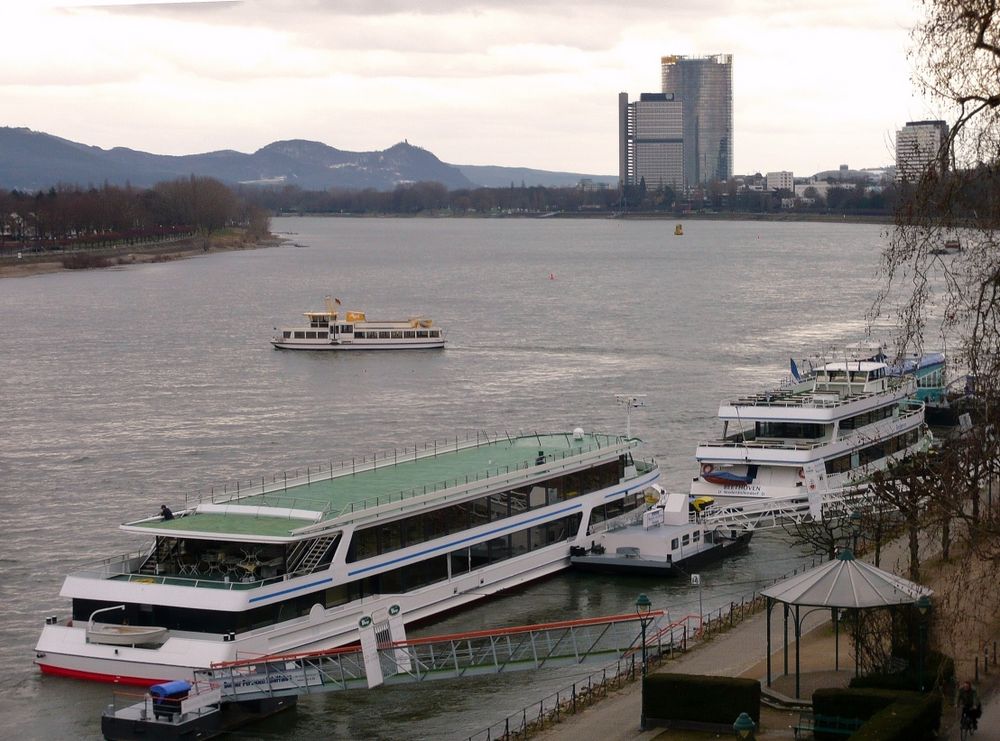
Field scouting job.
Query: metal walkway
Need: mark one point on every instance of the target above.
(382, 659)
(771, 513)
(440, 657)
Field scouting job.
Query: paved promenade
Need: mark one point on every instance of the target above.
(738, 652)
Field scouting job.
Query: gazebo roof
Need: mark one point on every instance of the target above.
(845, 582)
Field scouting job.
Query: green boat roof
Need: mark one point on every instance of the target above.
(357, 490)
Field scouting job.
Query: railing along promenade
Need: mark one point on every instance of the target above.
(677, 637)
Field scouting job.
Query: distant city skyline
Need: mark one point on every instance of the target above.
(486, 82)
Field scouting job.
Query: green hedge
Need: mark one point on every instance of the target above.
(904, 721)
(693, 697)
(889, 715)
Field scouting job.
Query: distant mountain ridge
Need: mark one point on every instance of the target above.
(31, 160)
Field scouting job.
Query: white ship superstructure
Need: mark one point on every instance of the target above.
(295, 565)
(329, 330)
(832, 430)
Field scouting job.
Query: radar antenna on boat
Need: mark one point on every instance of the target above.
(630, 402)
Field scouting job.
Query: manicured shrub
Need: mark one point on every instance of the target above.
(701, 699)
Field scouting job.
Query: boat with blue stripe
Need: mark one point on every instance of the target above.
(294, 563)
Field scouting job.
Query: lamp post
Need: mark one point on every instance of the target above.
(923, 608)
(642, 608)
(855, 519)
(744, 727)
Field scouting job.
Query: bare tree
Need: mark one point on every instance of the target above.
(955, 299)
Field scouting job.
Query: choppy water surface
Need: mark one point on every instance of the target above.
(121, 389)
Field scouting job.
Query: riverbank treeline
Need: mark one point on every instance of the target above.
(733, 197)
(71, 216)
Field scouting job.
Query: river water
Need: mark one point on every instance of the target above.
(122, 389)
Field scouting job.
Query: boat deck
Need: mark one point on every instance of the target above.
(282, 509)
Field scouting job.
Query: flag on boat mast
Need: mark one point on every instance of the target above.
(795, 370)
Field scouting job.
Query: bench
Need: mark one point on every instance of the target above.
(811, 723)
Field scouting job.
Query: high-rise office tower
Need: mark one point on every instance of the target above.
(705, 87)
(650, 141)
(918, 144)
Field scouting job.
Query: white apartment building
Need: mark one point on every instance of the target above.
(781, 180)
(918, 146)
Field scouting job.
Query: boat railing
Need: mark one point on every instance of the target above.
(111, 566)
(241, 489)
(784, 397)
(459, 488)
(119, 569)
(912, 408)
(618, 523)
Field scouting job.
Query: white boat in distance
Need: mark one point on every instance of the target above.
(328, 330)
(298, 565)
(825, 432)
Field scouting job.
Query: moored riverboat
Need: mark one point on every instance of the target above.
(329, 330)
(668, 539)
(824, 432)
(298, 565)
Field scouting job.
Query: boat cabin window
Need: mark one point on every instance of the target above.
(796, 430)
(322, 336)
(383, 335)
(409, 334)
(696, 536)
(310, 335)
(286, 335)
(685, 539)
(421, 333)
(443, 521)
(348, 328)
(861, 420)
(674, 544)
(300, 335)
(360, 335)
(872, 453)
(397, 334)
(435, 333)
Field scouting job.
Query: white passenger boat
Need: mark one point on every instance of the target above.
(328, 330)
(825, 432)
(299, 565)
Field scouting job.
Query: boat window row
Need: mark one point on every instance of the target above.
(305, 335)
(872, 453)
(861, 420)
(934, 379)
(629, 503)
(403, 579)
(420, 528)
(397, 334)
(790, 430)
(854, 376)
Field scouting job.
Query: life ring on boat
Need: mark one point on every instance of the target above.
(707, 468)
(802, 473)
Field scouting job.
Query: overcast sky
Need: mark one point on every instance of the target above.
(500, 82)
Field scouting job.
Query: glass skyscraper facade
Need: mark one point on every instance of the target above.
(704, 85)
(651, 147)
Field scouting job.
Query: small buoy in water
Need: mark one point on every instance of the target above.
(552, 276)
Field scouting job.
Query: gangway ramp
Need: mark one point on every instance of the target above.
(760, 514)
(269, 681)
(475, 653)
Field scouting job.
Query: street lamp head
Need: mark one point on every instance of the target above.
(643, 605)
(855, 519)
(744, 727)
(923, 605)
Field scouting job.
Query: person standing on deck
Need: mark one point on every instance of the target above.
(165, 512)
